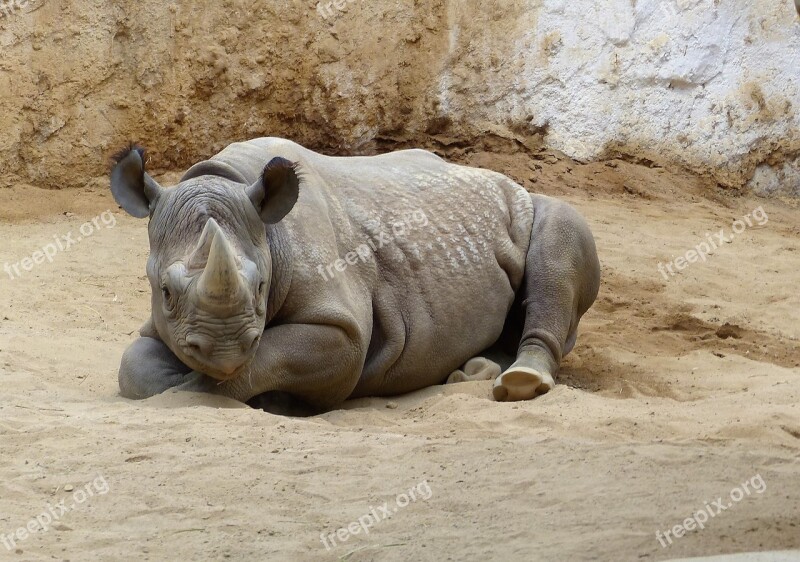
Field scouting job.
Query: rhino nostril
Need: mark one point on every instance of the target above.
(250, 341)
(197, 345)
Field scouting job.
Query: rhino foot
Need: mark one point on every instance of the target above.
(476, 369)
(527, 378)
(521, 383)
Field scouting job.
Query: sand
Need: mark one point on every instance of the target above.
(680, 391)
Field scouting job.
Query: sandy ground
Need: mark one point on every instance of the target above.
(679, 391)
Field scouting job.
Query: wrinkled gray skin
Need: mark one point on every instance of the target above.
(248, 296)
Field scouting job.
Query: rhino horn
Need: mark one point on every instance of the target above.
(220, 281)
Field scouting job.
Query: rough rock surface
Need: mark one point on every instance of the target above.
(706, 85)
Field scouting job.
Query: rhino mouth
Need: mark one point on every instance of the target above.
(225, 377)
(221, 364)
(223, 373)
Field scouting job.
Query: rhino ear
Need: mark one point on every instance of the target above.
(132, 187)
(276, 191)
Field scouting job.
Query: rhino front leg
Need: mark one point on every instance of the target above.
(317, 363)
(148, 367)
(562, 278)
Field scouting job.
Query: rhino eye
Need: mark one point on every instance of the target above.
(167, 294)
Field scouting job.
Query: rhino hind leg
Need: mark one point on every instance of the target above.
(476, 369)
(562, 278)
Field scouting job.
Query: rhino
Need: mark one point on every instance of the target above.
(276, 269)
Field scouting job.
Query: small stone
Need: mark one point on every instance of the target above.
(68, 488)
(391, 405)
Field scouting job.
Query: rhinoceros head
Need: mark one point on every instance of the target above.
(209, 267)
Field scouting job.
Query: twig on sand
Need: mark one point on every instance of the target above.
(85, 282)
(188, 531)
(37, 409)
(93, 310)
(346, 556)
(349, 554)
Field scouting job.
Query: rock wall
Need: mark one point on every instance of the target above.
(710, 85)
